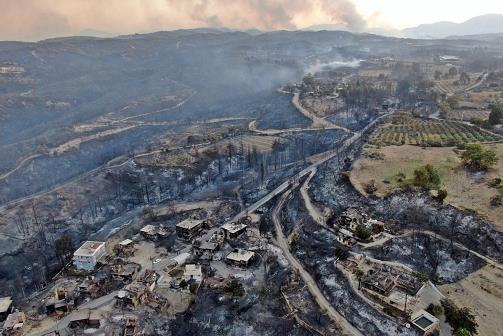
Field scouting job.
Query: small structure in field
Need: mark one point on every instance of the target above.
(234, 230)
(14, 322)
(193, 272)
(125, 248)
(189, 228)
(88, 255)
(424, 322)
(85, 318)
(61, 300)
(5, 307)
(240, 257)
(206, 249)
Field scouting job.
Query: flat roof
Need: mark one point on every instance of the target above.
(423, 320)
(241, 255)
(233, 227)
(208, 246)
(148, 229)
(189, 223)
(5, 304)
(125, 242)
(193, 269)
(89, 248)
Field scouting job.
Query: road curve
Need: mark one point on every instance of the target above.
(282, 242)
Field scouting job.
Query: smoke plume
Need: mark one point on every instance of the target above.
(35, 19)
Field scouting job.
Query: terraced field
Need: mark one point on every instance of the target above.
(403, 129)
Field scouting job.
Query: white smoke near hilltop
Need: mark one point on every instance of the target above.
(318, 66)
(34, 19)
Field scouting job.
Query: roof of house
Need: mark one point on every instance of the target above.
(15, 319)
(423, 320)
(241, 255)
(5, 304)
(148, 229)
(234, 227)
(189, 223)
(208, 246)
(193, 270)
(89, 248)
(126, 242)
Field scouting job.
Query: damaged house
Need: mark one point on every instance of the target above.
(234, 230)
(61, 301)
(189, 228)
(241, 258)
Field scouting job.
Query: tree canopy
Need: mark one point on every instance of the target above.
(496, 116)
(427, 177)
(477, 157)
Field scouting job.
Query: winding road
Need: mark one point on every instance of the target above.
(282, 242)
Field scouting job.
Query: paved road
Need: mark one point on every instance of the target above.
(318, 122)
(252, 126)
(282, 242)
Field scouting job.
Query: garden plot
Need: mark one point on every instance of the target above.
(466, 190)
(404, 129)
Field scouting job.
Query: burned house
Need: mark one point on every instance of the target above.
(149, 279)
(193, 273)
(86, 318)
(125, 248)
(234, 230)
(132, 295)
(205, 250)
(150, 232)
(131, 326)
(240, 257)
(350, 219)
(5, 307)
(14, 322)
(189, 228)
(387, 278)
(61, 301)
(124, 272)
(380, 282)
(89, 288)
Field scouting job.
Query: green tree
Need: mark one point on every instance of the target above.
(496, 116)
(362, 232)
(477, 157)
(453, 71)
(459, 318)
(426, 177)
(462, 332)
(64, 247)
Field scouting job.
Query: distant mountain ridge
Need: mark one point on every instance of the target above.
(484, 24)
(479, 25)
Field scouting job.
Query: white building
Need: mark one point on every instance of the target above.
(193, 272)
(240, 257)
(87, 256)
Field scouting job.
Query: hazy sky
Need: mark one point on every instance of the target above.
(36, 19)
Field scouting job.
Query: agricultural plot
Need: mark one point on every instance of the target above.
(467, 114)
(403, 129)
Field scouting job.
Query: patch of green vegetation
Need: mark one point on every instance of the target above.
(477, 157)
(426, 177)
(461, 319)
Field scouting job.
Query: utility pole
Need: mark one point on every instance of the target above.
(405, 306)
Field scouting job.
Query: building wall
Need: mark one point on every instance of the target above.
(88, 263)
